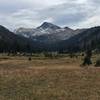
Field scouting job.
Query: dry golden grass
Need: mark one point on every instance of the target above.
(48, 79)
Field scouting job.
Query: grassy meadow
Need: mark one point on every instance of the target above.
(44, 78)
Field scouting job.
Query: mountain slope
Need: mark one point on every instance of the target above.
(10, 41)
(88, 39)
(58, 35)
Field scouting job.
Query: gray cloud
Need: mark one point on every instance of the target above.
(70, 14)
(31, 13)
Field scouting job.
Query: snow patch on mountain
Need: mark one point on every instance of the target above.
(47, 31)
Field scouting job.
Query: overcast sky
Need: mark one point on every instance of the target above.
(32, 13)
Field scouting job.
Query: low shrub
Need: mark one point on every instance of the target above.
(97, 63)
(29, 58)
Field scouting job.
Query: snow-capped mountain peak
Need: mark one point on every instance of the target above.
(46, 31)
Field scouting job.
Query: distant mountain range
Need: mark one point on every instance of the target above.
(48, 32)
(49, 37)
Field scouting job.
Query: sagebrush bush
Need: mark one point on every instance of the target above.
(29, 58)
(97, 63)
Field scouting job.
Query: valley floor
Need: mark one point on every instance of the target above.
(48, 79)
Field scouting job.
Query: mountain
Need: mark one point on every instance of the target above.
(57, 39)
(52, 37)
(45, 28)
(47, 32)
(88, 39)
(11, 42)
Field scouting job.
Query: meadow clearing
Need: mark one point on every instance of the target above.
(48, 79)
